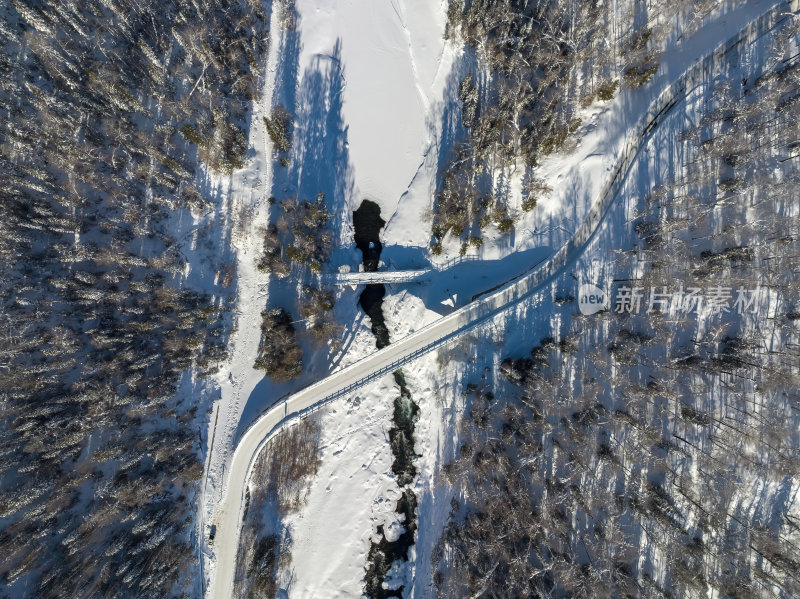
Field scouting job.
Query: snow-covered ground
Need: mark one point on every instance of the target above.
(396, 70)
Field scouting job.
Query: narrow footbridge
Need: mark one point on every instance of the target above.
(419, 275)
(385, 276)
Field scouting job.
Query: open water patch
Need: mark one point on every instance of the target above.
(367, 223)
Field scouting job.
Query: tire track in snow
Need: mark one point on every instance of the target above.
(400, 12)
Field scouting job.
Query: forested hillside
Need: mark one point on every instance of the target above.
(651, 450)
(107, 108)
(533, 66)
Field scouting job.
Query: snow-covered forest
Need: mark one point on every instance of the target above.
(650, 450)
(196, 401)
(535, 66)
(109, 109)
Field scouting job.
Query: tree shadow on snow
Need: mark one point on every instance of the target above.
(319, 163)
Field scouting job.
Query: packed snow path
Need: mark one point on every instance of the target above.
(453, 326)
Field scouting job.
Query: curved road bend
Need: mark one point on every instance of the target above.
(448, 328)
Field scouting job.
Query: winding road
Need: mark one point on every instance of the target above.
(444, 330)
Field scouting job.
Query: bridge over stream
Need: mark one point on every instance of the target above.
(418, 275)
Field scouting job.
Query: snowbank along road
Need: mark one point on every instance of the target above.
(451, 327)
